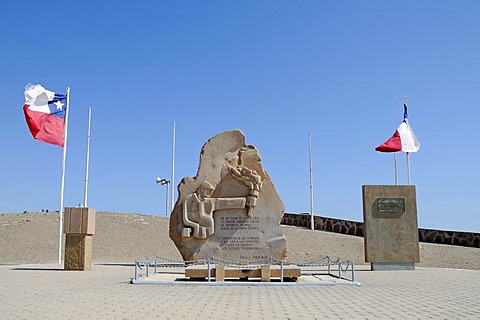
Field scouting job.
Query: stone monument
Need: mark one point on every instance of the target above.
(79, 227)
(391, 228)
(230, 209)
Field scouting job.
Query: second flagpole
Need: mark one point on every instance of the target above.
(172, 185)
(395, 164)
(408, 167)
(85, 193)
(312, 220)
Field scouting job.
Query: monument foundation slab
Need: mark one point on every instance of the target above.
(266, 273)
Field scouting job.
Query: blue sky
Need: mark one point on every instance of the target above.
(277, 70)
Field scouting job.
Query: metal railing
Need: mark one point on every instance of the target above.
(336, 268)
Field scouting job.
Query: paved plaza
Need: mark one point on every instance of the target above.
(48, 292)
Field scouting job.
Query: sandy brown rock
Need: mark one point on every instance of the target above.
(230, 209)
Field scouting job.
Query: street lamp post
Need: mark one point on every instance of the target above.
(164, 182)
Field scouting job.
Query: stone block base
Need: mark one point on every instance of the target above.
(220, 273)
(78, 252)
(385, 266)
(391, 228)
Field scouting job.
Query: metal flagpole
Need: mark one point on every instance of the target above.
(408, 153)
(85, 193)
(173, 168)
(408, 166)
(312, 224)
(395, 164)
(60, 240)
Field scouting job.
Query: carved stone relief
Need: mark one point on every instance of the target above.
(230, 209)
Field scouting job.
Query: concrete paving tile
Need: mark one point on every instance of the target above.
(36, 292)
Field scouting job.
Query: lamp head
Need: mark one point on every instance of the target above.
(162, 181)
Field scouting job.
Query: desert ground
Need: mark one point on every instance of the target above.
(32, 238)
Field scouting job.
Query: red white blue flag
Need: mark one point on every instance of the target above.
(45, 114)
(403, 139)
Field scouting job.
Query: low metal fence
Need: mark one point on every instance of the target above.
(344, 270)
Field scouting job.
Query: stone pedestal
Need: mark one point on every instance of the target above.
(78, 252)
(79, 227)
(390, 227)
(265, 273)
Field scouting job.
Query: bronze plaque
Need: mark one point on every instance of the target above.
(391, 205)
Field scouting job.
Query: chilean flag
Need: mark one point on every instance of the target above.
(45, 114)
(403, 139)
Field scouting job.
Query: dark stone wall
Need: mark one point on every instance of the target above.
(354, 228)
(456, 238)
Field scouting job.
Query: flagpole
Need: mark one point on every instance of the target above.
(408, 153)
(173, 168)
(395, 164)
(60, 240)
(408, 166)
(85, 193)
(312, 224)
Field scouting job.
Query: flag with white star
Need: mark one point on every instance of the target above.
(45, 114)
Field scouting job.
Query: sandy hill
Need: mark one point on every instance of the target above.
(33, 238)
